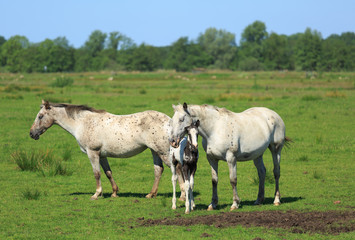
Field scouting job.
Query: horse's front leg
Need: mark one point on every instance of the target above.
(185, 171)
(95, 163)
(214, 171)
(106, 167)
(158, 171)
(173, 180)
(192, 183)
(232, 165)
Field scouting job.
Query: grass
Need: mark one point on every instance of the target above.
(316, 170)
(42, 161)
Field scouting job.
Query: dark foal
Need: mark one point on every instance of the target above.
(186, 155)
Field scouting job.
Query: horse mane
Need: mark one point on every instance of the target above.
(218, 109)
(72, 109)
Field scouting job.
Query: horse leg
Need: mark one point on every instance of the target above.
(214, 170)
(259, 164)
(185, 171)
(181, 182)
(192, 175)
(232, 165)
(95, 159)
(173, 180)
(106, 167)
(158, 171)
(276, 156)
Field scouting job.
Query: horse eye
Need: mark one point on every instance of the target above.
(40, 117)
(182, 119)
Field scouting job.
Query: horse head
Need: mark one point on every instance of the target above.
(43, 121)
(192, 133)
(179, 122)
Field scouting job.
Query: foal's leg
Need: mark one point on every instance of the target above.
(276, 156)
(232, 165)
(95, 159)
(158, 170)
(192, 175)
(185, 171)
(259, 164)
(173, 180)
(214, 170)
(106, 167)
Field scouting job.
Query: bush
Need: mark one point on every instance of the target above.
(62, 82)
(42, 161)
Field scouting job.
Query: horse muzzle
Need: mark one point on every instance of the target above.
(35, 134)
(175, 144)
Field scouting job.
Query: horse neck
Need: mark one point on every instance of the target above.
(64, 121)
(207, 119)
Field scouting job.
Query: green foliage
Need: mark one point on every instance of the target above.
(213, 49)
(62, 82)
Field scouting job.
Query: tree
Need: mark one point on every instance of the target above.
(220, 45)
(276, 52)
(96, 43)
(309, 50)
(251, 46)
(143, 58)
(11, 52)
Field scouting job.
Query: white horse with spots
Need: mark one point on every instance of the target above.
(101, 134)
(234, 137)
(186, 155)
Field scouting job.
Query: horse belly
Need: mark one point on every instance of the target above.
(120, 151)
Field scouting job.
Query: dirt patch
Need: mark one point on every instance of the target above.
(330, 222)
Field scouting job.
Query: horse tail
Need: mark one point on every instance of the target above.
(288, 141)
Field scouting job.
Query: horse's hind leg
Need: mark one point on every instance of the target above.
(276, 156)
(106, 167)
(259, 164)
(158, 171)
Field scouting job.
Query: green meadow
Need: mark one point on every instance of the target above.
(46, 185)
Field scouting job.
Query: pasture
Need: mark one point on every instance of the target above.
(317, 170)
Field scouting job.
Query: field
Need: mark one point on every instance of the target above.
(317, 171)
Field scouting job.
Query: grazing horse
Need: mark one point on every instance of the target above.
(234, 137)
(186, 155)
(101, 134)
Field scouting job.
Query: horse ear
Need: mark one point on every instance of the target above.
(185, 106)
(46, 104)
(197, 123)
(173, 106)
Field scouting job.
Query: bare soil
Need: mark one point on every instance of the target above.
(329, 222)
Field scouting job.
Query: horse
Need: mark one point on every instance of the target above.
(186, 155)
(233, 137)
(101, 134)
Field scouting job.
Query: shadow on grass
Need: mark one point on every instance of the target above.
(267, 201)
(131, 194)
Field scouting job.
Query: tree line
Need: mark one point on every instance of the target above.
(213, 49)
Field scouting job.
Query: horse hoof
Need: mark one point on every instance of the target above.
(182, 199)
(210, 208)
(114, 195)
(93, 198)
(150, 195)
(277, 203)
(233, 208)
(187, 212)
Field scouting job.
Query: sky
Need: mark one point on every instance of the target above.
(162, 22)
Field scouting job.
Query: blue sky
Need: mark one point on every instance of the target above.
(160, 23)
